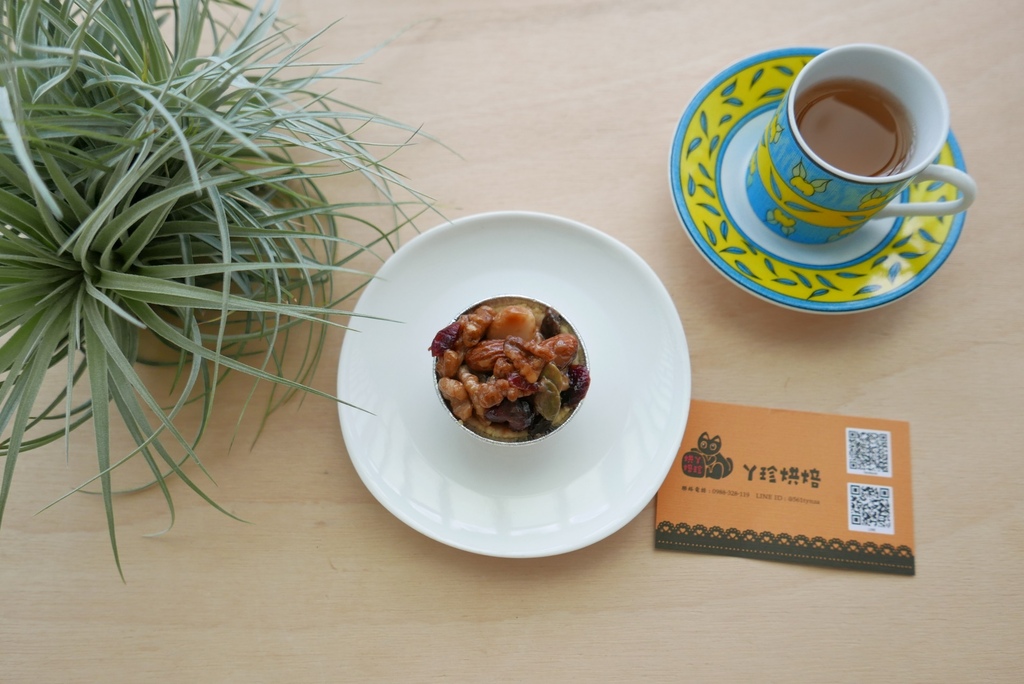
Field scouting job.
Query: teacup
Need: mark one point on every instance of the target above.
(859, 124)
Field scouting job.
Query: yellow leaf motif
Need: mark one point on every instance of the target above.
(780, 218)
(808, 187)
(873, 199)
(802, 185)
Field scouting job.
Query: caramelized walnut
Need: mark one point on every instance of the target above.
(502, 366)
(483, 395)
(539, 349)
(515, 387)
(448, 363)
(527, 364)
(455, 394)
(474, 326)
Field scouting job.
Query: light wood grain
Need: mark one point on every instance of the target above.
(569, 108)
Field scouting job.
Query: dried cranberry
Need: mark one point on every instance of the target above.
(540, 427)
(518, 414)
(552, 323)
(579, 383)
(445, 339)
(522, 384)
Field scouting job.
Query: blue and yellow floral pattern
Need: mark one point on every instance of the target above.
(916, 248)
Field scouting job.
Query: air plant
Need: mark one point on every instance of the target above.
(162, 171)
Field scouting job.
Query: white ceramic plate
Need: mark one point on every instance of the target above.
(567, 491)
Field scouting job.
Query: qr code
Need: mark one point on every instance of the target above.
(868, 452)
(871, 508)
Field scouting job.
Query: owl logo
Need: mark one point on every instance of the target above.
(705, 460)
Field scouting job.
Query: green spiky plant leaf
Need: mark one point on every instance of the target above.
(149, 186)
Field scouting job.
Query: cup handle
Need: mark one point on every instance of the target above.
(936, 172)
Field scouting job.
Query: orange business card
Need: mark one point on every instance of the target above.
(791, 486)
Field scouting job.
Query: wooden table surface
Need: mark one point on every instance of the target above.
(569, 108)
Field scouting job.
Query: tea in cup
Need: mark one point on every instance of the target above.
(859, 124)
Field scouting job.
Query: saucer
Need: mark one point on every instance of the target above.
(880, 263)
(577, 485)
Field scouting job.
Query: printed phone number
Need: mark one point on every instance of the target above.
(715, 490)
(746, 495)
